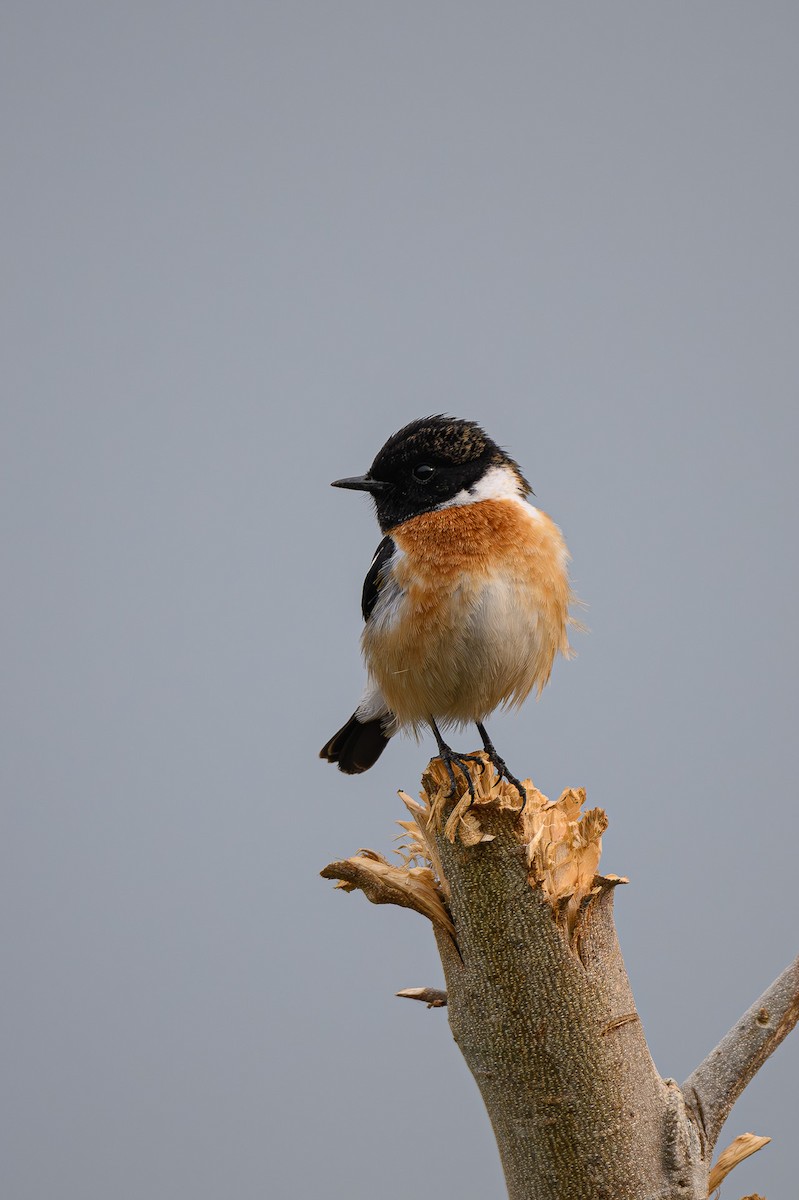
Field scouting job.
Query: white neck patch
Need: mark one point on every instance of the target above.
(498, 483)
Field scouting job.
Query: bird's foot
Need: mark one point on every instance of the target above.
(503, 772)
(451, 759)
(500, 766)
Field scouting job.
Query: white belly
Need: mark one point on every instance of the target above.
(483, 647)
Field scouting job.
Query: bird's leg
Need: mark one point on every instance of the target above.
(499, 764)
(448, 757)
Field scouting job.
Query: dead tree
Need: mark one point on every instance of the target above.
(540, 1005)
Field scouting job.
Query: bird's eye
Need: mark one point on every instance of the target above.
(423, 472)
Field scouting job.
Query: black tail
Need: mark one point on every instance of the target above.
(357, 745)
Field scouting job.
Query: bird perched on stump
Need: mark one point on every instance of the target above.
(466, 602)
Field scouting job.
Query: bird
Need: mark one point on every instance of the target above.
(466, 602)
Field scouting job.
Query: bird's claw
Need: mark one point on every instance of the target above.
(460, 760)
(503, 772)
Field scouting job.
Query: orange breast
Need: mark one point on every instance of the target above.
(474, 613)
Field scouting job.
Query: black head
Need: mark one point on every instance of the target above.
(427, 464)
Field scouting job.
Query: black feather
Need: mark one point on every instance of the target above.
(357, 745)
(371, 584)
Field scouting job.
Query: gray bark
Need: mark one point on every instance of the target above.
(717, 1083)
(554, 1042)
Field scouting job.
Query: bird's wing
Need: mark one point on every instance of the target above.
(375, 576)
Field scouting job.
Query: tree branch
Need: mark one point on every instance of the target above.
(717, 1082)
(432, 997)
(383, 883)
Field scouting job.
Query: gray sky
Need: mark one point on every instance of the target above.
(244, 243)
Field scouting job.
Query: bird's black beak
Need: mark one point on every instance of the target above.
(362, 483)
